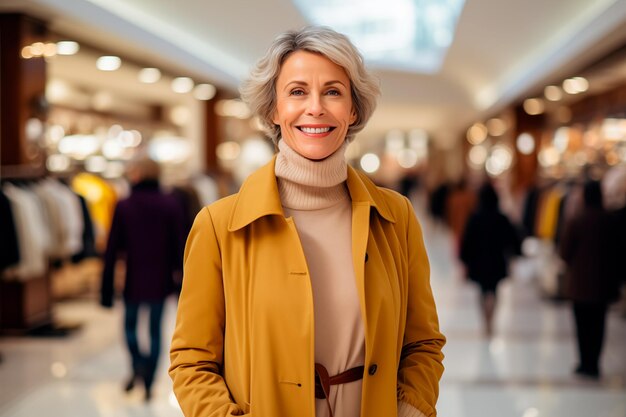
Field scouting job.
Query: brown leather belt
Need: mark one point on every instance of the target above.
(323, 381)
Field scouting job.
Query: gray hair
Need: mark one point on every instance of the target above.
(259, 90)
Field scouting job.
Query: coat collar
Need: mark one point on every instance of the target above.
(259, 196)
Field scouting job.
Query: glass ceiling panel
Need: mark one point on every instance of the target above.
(411, 35)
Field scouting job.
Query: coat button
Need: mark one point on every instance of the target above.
(372, 369)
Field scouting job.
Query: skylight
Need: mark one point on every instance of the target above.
(411, 35)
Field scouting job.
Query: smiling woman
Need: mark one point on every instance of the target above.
(307, 293)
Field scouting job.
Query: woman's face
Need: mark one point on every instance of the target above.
(313, 104)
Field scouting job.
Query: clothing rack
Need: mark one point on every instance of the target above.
(26, 305)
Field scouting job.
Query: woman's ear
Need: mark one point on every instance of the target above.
(352, 117)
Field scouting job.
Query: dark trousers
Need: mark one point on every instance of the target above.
(590, 322)
(144, 365)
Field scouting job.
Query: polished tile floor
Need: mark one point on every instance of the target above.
(523, 371)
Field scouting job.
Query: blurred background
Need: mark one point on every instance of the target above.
(527, 96)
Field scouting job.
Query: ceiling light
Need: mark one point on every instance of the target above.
(533, 106)
(108, 63)
(477, 156)
(37, 48)
(27, 53)
(582, 84)
(525, 143)
(149, 75)
(204, 91)
(553, 93)
(182, 85)
(67, 47)
(569, 86)
(549, 157)
(477, 133)
(499, 161)
(575, 85)
(49, 50)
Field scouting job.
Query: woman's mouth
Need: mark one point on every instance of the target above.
(315, 130)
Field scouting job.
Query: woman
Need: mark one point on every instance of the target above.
(310, 273)
(489, 239)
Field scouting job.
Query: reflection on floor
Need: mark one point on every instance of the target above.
(523, 371)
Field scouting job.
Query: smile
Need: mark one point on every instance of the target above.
(315, 130)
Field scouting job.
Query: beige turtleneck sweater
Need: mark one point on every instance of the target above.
(315, 195)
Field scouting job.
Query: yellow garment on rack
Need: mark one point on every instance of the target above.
(549, 216)
(101, 199)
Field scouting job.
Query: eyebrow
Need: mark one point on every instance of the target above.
(304, 83)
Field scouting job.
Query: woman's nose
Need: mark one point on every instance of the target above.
(315, 106)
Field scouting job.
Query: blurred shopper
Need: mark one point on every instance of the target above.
(589, 281)
(488, 242)
(148, 232)
(461, 203)
(438, 202)
(283, 278)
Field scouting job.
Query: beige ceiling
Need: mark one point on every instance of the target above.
(503, 50)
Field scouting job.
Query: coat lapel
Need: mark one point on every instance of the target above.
(257, 197)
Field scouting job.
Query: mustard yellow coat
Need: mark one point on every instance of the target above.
(244, 337)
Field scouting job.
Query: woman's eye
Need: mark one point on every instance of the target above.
(333, 92)
(296, 92)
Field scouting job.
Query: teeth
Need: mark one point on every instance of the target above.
(315, 129)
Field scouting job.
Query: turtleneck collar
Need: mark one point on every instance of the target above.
(304, 184)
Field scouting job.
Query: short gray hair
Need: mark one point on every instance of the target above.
(259, 90)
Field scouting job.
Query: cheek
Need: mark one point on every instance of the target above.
(284, 112)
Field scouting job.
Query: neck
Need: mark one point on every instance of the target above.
(310, 185)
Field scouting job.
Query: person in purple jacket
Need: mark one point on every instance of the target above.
(148, 232)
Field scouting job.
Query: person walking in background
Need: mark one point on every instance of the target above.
(590, 282)
(308, 292)
(148, 232)
(487, 243)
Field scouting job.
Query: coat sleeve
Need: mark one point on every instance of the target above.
(421, 361)
(197, 350)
